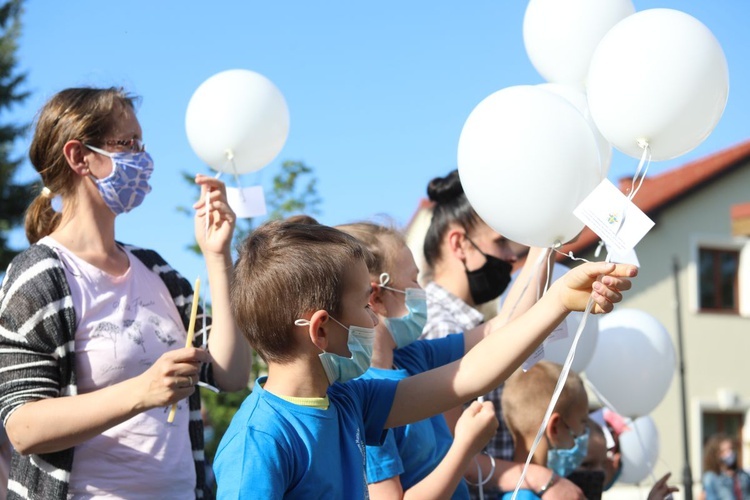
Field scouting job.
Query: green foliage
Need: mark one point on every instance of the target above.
(221, 408)
(293, 191)
(14, 197)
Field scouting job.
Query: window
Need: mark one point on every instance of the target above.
(718, 283)
(729, 423)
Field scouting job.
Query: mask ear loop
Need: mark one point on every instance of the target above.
(384, 279)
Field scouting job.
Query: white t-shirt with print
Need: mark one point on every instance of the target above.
(124, 324)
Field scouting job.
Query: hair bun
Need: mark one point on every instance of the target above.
(445, 189)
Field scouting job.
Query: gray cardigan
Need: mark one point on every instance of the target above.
(37, 359)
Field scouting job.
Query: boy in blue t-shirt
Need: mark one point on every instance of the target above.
(300, 295)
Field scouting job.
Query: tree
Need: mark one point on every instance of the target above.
(14, 197)
(293, 191)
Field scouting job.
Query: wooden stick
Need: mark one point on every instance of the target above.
(190, 333)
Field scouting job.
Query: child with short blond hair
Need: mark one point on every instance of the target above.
(525, 400)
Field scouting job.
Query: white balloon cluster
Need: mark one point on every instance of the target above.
(528, 155)
(653, 84)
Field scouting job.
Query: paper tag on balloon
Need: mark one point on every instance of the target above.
(535, 358)
(247, 202)
(559, 333)
(628, 257)
(613, 217)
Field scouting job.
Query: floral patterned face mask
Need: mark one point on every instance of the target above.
(127, 185)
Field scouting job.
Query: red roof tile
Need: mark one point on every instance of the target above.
(740, 211)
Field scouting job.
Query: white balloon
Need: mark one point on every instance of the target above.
(639, 448)
(658, 76)
(577, 98)
(633, 363)
(526, 159)
(557, 350)
(560, 36)
(237, 121)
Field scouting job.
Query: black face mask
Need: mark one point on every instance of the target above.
(590, 481)
(490, 280)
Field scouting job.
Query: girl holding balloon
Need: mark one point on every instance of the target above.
(91, 330)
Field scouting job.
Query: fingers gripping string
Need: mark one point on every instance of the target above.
(550, 263)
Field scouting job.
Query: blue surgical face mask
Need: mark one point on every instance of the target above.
(730, 459)
(127, 185)
(564, 461)
(340, 368)
(408, 328)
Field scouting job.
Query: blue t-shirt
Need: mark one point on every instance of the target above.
(415, 450)
(522, 495)
(721, 486)
(276, 449)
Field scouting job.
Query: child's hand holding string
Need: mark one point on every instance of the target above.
(476, 426)
(215, 235)
(602, 282)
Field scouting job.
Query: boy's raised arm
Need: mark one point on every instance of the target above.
(496, 357)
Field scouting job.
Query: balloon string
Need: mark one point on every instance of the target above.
(204, 341)
(556, 393)
(555, 396)
(549, 257)
(649, 463)
(630, 421)
(203, 298)
(538, 265)
(604, 402)
(570, 255)
(644, 162)
(638, 178)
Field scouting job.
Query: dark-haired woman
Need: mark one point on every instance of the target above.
(92, 332)
(470, 264)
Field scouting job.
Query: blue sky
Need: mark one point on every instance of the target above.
(377, 91)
